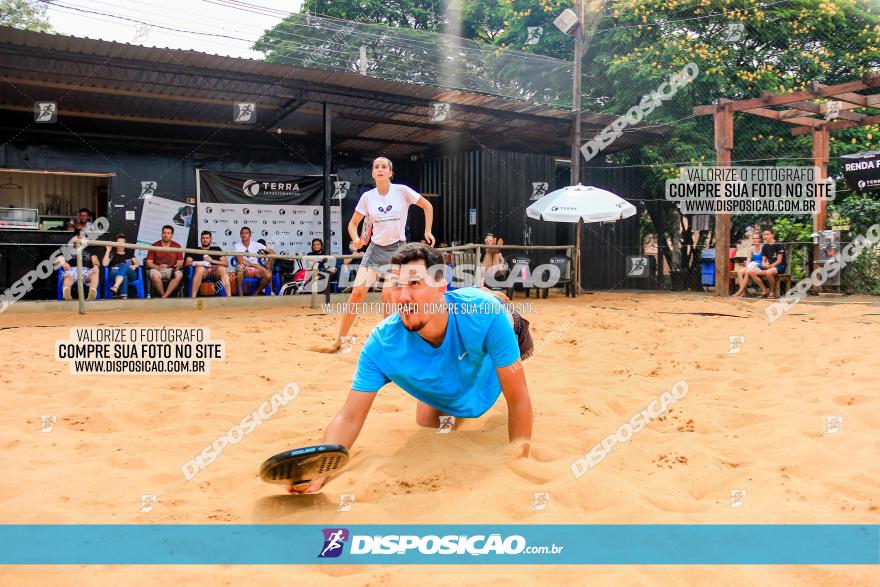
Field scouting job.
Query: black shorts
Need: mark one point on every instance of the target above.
(523, 336)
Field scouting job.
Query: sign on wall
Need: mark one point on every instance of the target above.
(862, 171)
(158, 212)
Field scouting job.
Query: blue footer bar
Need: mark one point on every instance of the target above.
(271, 544)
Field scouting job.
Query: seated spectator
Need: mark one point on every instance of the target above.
(751, 268)
(165, 266)
(325, 271)
(318, 249)
(90, 270)
(84, 217)
(122, 264)
(211, 266)
(773, 262)
(249, 266)
(493, 266)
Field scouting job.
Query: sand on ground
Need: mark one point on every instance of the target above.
(753, 420)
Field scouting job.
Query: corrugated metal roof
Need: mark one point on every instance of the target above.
(156, 85)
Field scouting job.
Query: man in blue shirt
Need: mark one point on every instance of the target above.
(455, 352)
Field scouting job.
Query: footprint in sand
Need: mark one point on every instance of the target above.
(849, 400)
(544, 453)
(387, 408)
(686, 427)
(431, 484)
(544, 464)
(618, 408)
(95, 424)
(668, 461)
(536, 472)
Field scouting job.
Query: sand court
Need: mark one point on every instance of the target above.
(785, 426)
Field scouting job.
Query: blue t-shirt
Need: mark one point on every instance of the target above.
(458, 377)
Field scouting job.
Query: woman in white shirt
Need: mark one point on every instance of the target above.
(384, 210)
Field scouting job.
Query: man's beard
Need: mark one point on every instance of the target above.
(416, 312)
(415, 327)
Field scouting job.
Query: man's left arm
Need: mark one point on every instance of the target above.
(778, 262)
(519, 404)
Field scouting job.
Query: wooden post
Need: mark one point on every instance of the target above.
(478, 266)
(723, 151)
(577, 255)
(821, 150)
(315, 277)
(820, 159)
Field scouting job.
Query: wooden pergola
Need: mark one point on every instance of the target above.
(809, 116)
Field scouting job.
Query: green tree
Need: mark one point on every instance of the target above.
(24, 14)
(402, 44)
(637, 45)
(783, 47)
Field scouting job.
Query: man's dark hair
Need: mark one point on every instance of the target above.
(208, 232)
(418, 252)
(169, 227)
(86, 210)
(317, 240)
(245, 228)
(121, 235)
(770, 230)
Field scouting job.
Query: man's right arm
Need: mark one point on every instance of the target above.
(346, 425)
(344, 428)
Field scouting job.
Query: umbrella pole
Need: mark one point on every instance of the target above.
(577, 255)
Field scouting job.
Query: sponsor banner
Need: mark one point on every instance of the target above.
(733, 544)
(862, 171)
(287, 229)
(285, 211)
(260, 188)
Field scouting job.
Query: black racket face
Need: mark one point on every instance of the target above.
(302, 465)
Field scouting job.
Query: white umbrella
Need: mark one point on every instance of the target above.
(580, 203)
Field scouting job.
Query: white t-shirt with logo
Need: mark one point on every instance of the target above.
(388, 212)
(253, 247)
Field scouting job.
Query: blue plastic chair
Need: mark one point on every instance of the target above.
(138, 283)
(450, 278)
(218, 285)
(73, 287)
(253, 281)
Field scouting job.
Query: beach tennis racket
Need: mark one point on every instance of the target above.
(366, 230)
(303, 465)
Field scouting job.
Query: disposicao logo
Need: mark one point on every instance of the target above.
(334, 540)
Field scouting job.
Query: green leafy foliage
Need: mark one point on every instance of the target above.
(24, 14)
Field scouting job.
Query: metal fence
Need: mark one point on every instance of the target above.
(469, 254)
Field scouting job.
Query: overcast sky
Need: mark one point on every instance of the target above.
(188, 15)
